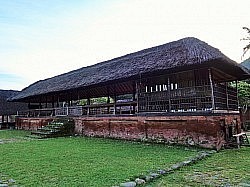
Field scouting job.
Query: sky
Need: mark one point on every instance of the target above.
(44, 38)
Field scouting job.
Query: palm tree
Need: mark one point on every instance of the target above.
(247, 47)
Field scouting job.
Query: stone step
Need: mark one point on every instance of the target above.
(55, 129)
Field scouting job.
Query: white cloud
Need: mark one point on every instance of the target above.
(63, 42)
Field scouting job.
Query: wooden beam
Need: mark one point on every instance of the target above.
(169, 96)
(46, 101)
(88, 103)
(134, 96)
(227, 96)
(237, 93)
(115, 99)
(53, 100)
(108, 100)
(57, 101)
(212, 88)
(137, 96)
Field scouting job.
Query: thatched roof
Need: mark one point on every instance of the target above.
(9, 108)
(184, 54)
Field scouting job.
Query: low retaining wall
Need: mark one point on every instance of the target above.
(31, 123)
(204, 131)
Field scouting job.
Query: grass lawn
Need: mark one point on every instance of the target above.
(229, 167)
(13, 134)
(79, 161)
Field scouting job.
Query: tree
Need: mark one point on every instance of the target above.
(247, 47)
(243, 94)
(244, 86)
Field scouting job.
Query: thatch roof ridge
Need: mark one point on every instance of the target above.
(181, 53)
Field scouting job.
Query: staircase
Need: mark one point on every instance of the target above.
(57, 128)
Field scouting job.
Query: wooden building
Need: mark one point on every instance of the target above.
(178, 92)
(8, 110)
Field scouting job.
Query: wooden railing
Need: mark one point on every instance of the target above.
(86, 110)
(198, 98)
(189, 99)
(177, 100)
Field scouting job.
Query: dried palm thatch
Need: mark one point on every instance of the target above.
(184, 54)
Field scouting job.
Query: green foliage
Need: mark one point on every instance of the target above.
(247, 47)
(99, 100)
(243, 93)
(80, 161)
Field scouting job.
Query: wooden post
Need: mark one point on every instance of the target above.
(137, 96)
(2, 121)
(169, 96)
(212, 88)
(114, 99)
(46, 102)
(238, 104)
(7, 121)
(53, 100)
(134, 97)
(70, 99)
(67, 111)
(57, 102)
(88, 104)
(108, 100)
(227, 97)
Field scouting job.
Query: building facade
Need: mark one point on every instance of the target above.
(179, 92)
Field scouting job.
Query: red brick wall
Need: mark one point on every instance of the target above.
(31, 123)
(204, 131)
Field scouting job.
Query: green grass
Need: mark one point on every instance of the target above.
(230, 166)
(80, 161)
(13, 134)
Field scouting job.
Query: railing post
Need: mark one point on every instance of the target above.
(212, 88)
(237, 95)
(227, 97)
(169, 96)
(67, 111)
(115, 99)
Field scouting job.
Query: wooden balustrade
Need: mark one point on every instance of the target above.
(86, 110)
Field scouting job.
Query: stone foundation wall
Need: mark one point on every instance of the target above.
(32, 123)
(205, 131)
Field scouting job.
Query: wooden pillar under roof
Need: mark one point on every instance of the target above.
(70, 99)
(78, 95)
(88, 104)
(46, 101)
(134, 95)
(237, 94)
(57, 101)
(227, 102)
(212, 88)
(115, 99)
(52, 102)
(108, 100)
(169, 95)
